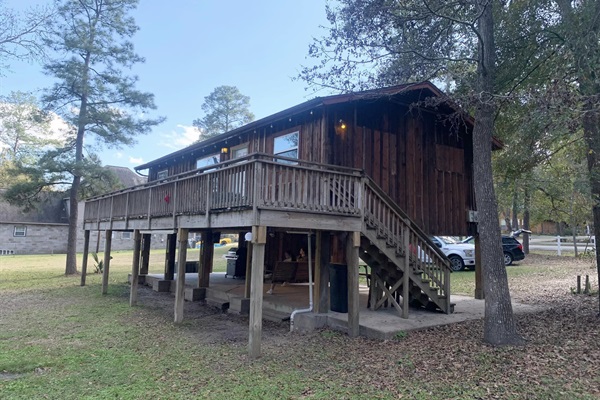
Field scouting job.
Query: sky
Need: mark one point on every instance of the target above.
(194, 46)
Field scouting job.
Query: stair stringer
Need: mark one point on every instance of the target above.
(415, 277)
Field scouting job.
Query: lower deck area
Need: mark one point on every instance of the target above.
(228, 294)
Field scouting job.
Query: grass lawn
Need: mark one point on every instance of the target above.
(62, 341)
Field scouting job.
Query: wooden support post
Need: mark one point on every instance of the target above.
(170, 256)
(352, 246)
(259, 239)
(146, 243)
(322, 271)
(406, 274)
(207, 254)
(107, 257)
(248, 279)
(135, 267)
(86, 250)
(180, 283)
(479, 293)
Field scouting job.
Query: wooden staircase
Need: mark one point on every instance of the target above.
(387, 238)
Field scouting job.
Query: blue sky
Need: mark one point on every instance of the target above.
(193, 46)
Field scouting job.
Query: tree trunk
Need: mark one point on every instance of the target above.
(515, 208)
(526, 206)
(591, 133)
(71, 265)
(499, 323)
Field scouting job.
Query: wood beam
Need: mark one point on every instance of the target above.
(86, 250)
(352, 246)
(146, 243)
(406, 274)
(248, 278)
(180, 283)
(170, 256)
(107, 257)
(322, 259)
(259, 236)
(206, 256)
(135, 267)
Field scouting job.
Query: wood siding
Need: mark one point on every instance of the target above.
(420, 160)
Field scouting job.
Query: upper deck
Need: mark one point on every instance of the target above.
(259, 189)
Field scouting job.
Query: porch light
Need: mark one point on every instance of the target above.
(342, 124)
(224, 150)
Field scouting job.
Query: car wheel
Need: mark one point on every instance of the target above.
(456, 263)
(508, 259)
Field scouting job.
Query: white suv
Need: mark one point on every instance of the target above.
(460, 254)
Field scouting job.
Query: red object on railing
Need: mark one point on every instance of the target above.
(167, 198)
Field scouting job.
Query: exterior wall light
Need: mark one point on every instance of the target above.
(224, 150)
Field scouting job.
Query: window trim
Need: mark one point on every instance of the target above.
(158, 174)
(239, 147)
(217, 156)
(16, 230)
(297, 147)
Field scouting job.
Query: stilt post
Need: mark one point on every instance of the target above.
(259, 239)
(352, 246)
(86, 251)
(135, 267)
(180, 283)
(322, 257)
(107, 257)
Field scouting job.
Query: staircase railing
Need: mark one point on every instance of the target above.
(391, 223)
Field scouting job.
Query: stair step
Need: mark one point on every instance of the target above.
(425, 280)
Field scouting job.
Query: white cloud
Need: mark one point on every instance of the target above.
(119, 155)
(137, 161)
(181, 137)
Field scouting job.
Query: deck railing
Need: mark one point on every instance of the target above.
(259, 180)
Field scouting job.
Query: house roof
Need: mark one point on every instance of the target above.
(49, 210)
(413, 92)
(127, 177)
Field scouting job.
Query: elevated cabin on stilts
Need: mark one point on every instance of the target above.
(362, 176)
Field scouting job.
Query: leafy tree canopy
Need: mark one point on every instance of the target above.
(225, 109)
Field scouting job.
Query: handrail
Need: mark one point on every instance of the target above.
(390, 221)
(260, 180)
(392, 204)
(264, 157)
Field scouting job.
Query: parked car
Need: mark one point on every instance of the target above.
(460, 254)
(512, 248)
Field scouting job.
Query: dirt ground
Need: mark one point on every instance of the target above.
(551, 287)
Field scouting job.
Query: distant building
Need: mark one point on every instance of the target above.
(44, 230)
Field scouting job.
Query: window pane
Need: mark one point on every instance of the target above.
(289, 154)
(285, 142)
(241, 152)
(206, 161)
(162, 174)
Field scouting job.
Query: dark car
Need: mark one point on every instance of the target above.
(513, 250)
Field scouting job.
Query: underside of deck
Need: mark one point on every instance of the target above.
(227, 294)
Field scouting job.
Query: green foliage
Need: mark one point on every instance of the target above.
(225, 109)
(99, 264)
(401, 335)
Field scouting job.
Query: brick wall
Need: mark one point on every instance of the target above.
(52, 239)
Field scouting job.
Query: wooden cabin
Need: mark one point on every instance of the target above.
(363, 176)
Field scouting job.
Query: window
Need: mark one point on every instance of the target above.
(286, 146)
(20, 231)
(163, 174)
(125, 235)
(206, 161)
(239, 152)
